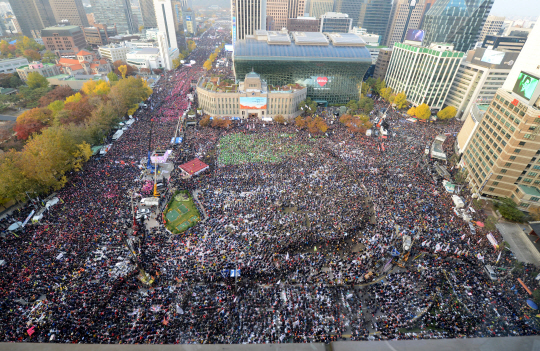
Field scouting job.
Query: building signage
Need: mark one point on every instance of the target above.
(233, 31)
(322, 81)
(253, 103)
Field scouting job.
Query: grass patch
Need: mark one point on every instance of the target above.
(242, 148)
(181, 212)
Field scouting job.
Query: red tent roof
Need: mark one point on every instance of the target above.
(194, 166)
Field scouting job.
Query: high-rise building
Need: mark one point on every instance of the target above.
(147, 13)
(166, 38)
(278, 10)
(320, 7)
(381, 65)
(425, 74)
(456, 22)
(71, 10)
(405, 15)
(296, 8)
(33, 15)
(63, 38)
(502, 155)
(427, 6)
(351, 8)
(247, 17)
(115, 12)
(374, 17)
(99, 34)
(492, 26)
(332, 22)
(504, 43)
(479, 76)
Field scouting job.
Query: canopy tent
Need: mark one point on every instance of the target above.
(194, 167)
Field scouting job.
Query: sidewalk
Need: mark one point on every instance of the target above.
(520, 244)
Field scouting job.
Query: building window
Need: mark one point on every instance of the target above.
(499, 177)
(535, 199)
(503, 171)
(517, 151)
(527, 180)
(532, 174)
(508, 164)
(512, 158)
(524, 205)
(491, 189)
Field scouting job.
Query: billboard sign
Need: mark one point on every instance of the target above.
(234, 30)
(253, 103)
(492, 56)
(160, 158)
(525, 85)
(415, 35)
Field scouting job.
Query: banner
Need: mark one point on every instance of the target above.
(160, 159)
(492, 240)
(28, 218)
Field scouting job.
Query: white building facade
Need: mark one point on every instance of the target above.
(477, 81)
(425, 74)
(11, 65)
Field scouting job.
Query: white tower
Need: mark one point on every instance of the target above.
(165, 21)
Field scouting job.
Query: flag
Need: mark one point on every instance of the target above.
(179, 310)
(31, 330)
(499, 257)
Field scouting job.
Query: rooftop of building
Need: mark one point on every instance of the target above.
(303, 46)
(442, 49)
(47, 64)
(529, 190)
(60, 30)
(144, 51)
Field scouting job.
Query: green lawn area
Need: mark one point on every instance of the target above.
(181, 212)
(255, 148)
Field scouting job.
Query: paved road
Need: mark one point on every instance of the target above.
(520, 244)
(8, 118)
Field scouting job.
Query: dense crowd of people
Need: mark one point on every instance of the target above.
(313, 236)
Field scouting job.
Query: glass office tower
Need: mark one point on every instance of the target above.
(457, 22)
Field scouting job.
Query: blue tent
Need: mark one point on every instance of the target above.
(532, 305)
(13, 42)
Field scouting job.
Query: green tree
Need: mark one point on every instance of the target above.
(379, 85)
(112, 77)
(371, 82)
(128, 92)
(366, 105)
(363, 89)
(36, 80)
(123, 70)
(386, 93)
(352, 105)
(423, 112)
(509, 210)
(400, 100)
(29, 98)
(47, 157)
(447, 112)
(15, 81)
(48, 57)
(13, 182)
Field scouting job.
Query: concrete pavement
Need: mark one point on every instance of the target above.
(520, 244)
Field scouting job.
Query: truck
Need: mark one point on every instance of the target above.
(117, 135)
(150, 201)
(458, 202)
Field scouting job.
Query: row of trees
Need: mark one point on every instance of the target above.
(315, 125)
(356, 124)
(24, 46)
(364, 105)
(208, 63)
(423, 112)
(216, 122)
(59, 133)
(191, 45)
